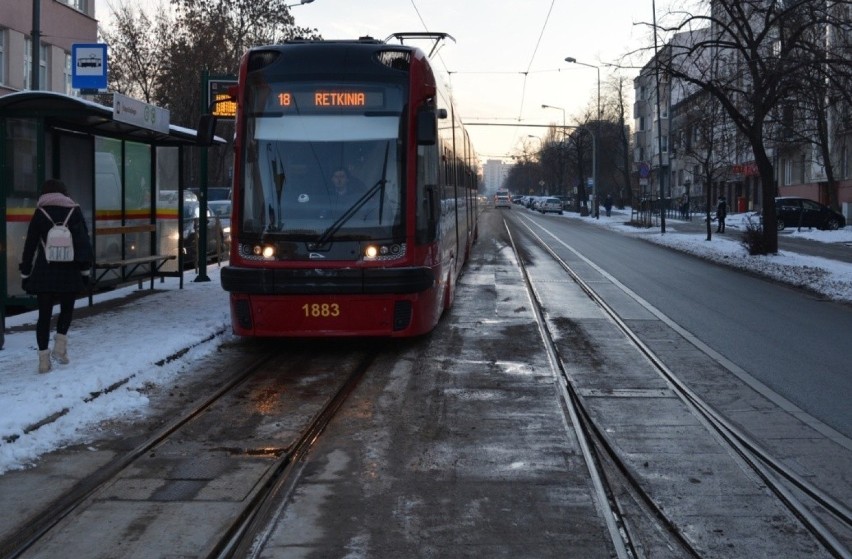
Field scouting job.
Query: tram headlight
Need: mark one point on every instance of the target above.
(384, 252)
(263, 251)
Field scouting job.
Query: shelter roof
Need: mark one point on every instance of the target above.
(74, 113)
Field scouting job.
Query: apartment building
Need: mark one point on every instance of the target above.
(686, 146)
(61, 23)
(495, 173)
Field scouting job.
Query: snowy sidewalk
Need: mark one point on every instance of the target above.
(111, 353)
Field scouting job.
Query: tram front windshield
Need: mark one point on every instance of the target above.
(322, 162)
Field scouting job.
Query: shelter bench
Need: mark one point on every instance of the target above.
(102, 267)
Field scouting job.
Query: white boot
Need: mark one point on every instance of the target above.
(44, 361)
(60, 348)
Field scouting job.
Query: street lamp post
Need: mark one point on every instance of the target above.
(572, 60)
(564, 128)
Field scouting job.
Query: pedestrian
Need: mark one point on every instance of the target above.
(55, 281)
(608, 204)
(721, 213)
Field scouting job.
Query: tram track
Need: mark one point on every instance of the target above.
(279, 462)
(17, 544)
(587, 436)
(246, 536)
(803, 499)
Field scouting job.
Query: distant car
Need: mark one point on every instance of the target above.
(550, 205)
(501, 201)
(791, 211)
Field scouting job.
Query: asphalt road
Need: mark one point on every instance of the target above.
(793, 342)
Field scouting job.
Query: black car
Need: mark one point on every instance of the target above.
(801, 212)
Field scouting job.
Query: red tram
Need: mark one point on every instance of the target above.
(355, 187)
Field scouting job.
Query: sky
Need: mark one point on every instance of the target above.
(106, 352)
(508, 58)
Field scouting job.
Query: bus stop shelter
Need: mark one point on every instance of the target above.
(129, 181)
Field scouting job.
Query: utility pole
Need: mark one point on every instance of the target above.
(36, 40)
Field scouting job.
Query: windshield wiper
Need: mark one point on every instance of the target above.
(359, 203)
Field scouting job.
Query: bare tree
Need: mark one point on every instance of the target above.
(702, 140)
(161, 59)
(619, 86)
(580, 143)
(811, 119)
(137, 44)
(554, 162)
(750, 55)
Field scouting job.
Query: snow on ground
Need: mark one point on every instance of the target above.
(115, 354)
(830, 278)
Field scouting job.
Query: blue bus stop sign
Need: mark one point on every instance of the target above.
(89, 66)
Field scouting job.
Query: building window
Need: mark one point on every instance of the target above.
(43, 74)
(28, 62)
(66, 75)
(80, 5)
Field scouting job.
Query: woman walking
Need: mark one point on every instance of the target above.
(53, 281)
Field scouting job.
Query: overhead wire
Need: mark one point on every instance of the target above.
(532, 58)
(525, 73)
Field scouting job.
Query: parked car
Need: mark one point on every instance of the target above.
(222, 209)
(531, 202)
(567, 202)
(801, 212)
(550, 204)
(216, 247)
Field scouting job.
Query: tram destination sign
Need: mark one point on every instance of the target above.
(330, 99)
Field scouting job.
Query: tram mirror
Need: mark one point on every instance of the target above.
(427, 127)
(206, 130)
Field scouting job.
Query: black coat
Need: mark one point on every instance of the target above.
(56, 277)
(722, 208)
